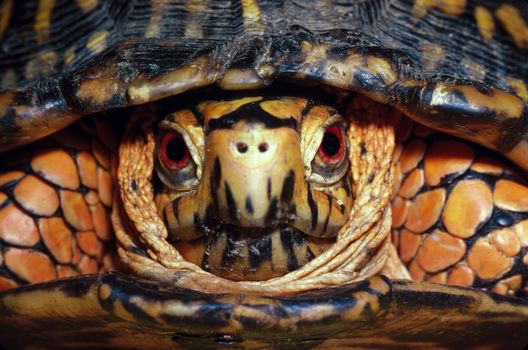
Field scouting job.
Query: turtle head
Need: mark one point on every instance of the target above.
(253, 187)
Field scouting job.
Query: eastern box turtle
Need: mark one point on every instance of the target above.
(263, 174)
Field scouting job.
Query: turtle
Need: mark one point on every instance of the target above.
(263, 174)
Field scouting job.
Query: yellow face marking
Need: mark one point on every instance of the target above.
(292, 107)
(251, 14)
(485, 22)
(153, 27)
(43, 20)
(449, 7)
(97, 42)
(433, 54)
(520, 88)
(214, 110)
(86, 5)
(6, 8)
(514, 24)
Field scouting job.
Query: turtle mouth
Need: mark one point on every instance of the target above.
(252, 254)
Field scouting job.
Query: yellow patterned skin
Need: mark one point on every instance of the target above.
(258, 198)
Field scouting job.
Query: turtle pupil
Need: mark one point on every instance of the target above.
(176, 149)
(331, 144)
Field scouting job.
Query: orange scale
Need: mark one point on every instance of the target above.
(101, 153)
(30, 265)
(411, 155)
(416, 272)
(101, 220)
(440, 250)
(461, 275)
(510, 195)
(487, 261)
(88, 265)
(400, 208)
(64, 271)
(36, 196)
(10, 176)
(89, 243)
(87, 169)
(487, 165)
(7, 283)
(440, 278)
(398, 176)
(409, 243)
(425, 210)
(506, 241)
(58, 238)
(75, 210)
(76, 258)
(412, 184)
(105, 186)
(3, 198)
(16, 227)
(446, 158)
(92, 198)
(58, 167)
(469, 206)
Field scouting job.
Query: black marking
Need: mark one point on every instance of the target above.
(231, 250)
(251, 113)
(133, 185)
(309, 254)
(176, 211)
(216, 176)
(268, 189)
(325, 225)
(363, 149)
(197, 221)
(231, 205)
(288, 187)
(313, 208)
(259, 251)
(249, 206)
(272, 211)
(287, 245)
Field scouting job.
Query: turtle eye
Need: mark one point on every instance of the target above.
(332, 148)
(174, 152)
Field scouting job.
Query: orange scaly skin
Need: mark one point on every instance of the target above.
(459, 213)
(55, 201)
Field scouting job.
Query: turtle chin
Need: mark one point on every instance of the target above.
(252, 254)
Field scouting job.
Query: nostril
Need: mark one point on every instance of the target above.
(242, 147)
(263, 147)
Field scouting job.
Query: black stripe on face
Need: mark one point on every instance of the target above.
(272, 211)
(259, 251)
(216, 176)
(313, 208)
(287, 245)
(325, 226)
(231, 205)
(175, 209)
(249, 205)
(287, 187)
(232, 251)
(251, 113)
(268, 189)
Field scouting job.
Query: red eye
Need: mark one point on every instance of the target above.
(174, 152)
(332, 147)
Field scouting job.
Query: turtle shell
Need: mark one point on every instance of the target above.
(459, 67)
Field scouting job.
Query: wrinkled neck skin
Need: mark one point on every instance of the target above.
(267, 198)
